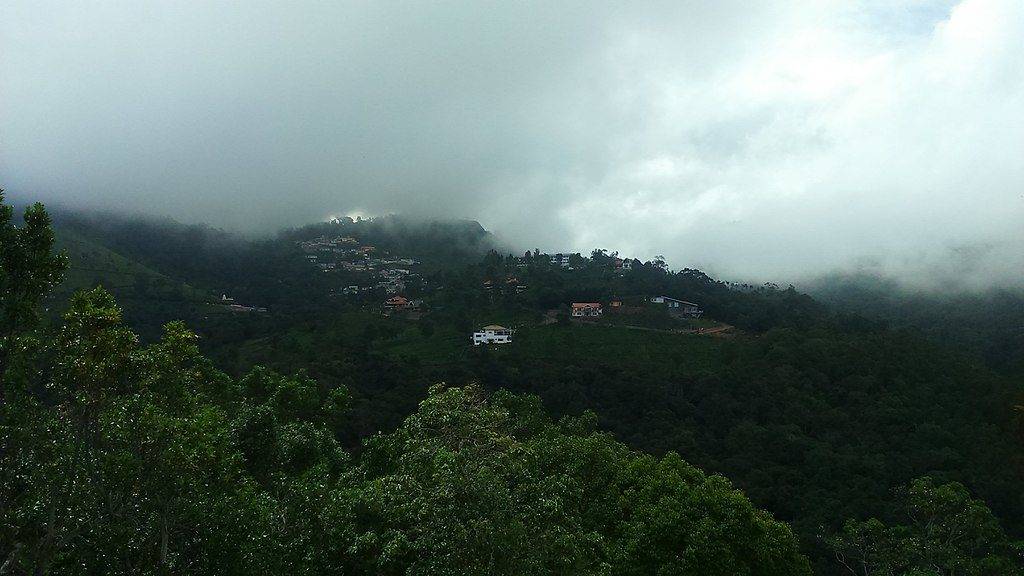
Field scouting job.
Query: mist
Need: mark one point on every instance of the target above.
(752, 140)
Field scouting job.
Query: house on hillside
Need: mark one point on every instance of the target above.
(623, 264)
(586, 309)
(513, 286)
(396, 303)
(561, 259)
(392, 286)
(679, 307)
(492, 334)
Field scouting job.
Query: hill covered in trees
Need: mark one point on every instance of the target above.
(126, 458)
(988, 323)
(316, 437)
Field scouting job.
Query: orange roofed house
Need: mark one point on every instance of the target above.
(396, 303)
(586, 309)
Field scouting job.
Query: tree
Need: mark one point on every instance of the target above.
(949, 533)
(129, 467)
(28, 270)
(471, 485)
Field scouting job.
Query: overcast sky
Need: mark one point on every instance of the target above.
(752, 139)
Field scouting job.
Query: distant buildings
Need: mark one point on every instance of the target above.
(392, 286)
(587, 309)
(679, 307)
(492, 334)
(512, 285)
(401, 304)
(229, 303)
(396, 303)
(561, 260)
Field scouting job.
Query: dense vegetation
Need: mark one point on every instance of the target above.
(989, 323)
(817, 426)
(126, 456)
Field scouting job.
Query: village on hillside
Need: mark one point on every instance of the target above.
(374, 269)
(601, 289)
(375, 278)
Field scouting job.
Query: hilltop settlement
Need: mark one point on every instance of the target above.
(394, 283)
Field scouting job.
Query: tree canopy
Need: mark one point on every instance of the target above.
(126, 458)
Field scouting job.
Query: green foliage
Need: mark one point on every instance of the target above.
(121, 455)
(949, 532)
(470, 486)
(124, 458)
(122, 464)
(149, 298)
(987, 322)
(28, 270)
(814, 425)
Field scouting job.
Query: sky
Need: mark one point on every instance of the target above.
(754, 140)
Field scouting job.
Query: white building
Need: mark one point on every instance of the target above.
(586, 309)
(560, 259)
(492, 334)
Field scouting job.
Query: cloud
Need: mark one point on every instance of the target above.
(761, 141)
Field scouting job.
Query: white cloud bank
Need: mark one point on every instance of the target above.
(757, 140)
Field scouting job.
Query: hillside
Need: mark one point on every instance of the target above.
(989, 323)
(816, 409)
(437, 243)
(816, 426)
(150, 298)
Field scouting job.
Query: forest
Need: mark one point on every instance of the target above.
(144, 431)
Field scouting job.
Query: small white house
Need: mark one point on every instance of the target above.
(586, 309)
(492, 334)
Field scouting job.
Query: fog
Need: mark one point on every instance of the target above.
(751, 139)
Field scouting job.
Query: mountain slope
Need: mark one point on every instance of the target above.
(149, 297)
